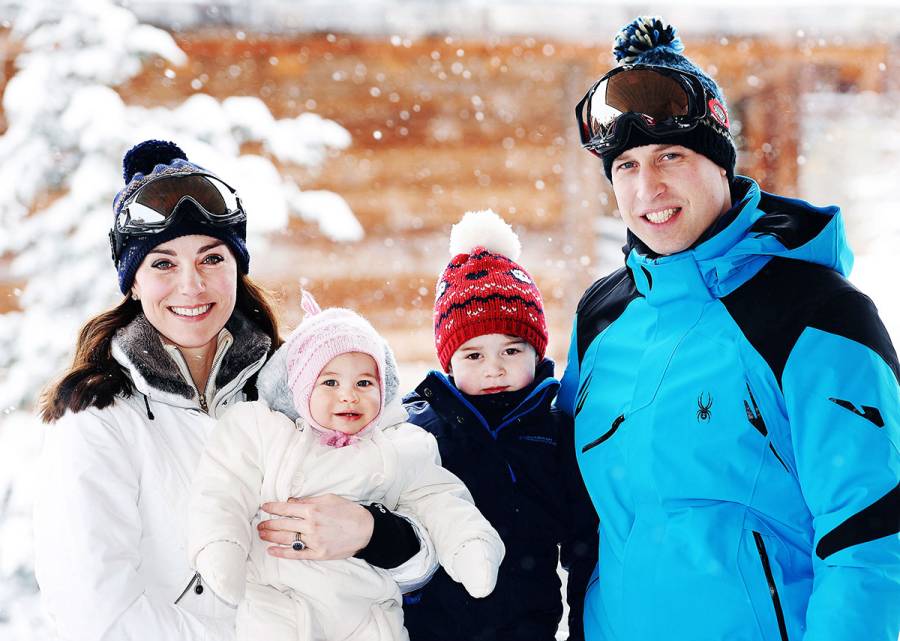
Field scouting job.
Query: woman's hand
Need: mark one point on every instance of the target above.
(331, 527)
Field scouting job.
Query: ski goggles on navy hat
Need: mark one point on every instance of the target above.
(636, 104)
(175, 204)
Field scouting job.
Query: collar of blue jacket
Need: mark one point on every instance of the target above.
(759, 227)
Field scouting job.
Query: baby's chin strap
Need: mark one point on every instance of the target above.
(335, 438)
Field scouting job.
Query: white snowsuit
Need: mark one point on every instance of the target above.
(111, 501)
(257, 455)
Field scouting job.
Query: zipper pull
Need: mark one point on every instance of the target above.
(612, 430)
(194, 579)
(203, 404)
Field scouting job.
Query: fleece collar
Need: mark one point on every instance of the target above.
(160, 372)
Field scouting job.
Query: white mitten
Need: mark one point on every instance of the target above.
(475, 565)
(223, 567)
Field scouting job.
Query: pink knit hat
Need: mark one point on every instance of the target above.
(321, 336)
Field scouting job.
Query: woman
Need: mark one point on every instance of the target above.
(130, 418)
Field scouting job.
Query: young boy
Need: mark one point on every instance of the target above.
(496, 430)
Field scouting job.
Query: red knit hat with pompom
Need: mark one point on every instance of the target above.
(483, 290)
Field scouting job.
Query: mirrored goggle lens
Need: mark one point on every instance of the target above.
(156, 202)
(641, 91)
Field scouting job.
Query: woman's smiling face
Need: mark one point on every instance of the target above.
(188, 288)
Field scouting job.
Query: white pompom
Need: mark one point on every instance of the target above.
(484, 229)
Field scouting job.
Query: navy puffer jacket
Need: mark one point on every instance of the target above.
(524, 478)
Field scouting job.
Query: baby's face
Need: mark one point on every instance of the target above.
(493, 363)
(347, 395)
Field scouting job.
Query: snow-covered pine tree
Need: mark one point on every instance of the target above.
(60, 167)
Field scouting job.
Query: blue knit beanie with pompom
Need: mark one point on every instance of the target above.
(148, 160)
(648, 40)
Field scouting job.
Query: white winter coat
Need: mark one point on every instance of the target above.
(110, 514)
(257, 455)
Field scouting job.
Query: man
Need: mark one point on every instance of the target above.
(735, 398)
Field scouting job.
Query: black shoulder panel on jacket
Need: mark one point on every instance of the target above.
(856, 317)
(603, 303)
(774, 307)
(792, 224)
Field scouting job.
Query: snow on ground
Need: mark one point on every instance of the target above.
(21, 617)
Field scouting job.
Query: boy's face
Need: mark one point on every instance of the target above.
(346, 396)
(493, 363)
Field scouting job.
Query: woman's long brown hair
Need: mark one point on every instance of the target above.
(95, 378)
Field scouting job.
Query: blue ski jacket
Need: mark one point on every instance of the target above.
(736, 424)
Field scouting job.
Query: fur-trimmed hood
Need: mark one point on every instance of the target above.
(159, 371)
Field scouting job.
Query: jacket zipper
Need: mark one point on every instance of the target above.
(198, 588)
(186, 374)
(615, 425)
(770, 579)
(222, 349)
(755, 418)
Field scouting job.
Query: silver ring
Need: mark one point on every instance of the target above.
(298, 545)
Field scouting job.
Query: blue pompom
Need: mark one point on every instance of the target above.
(144, 156)
(643, 34)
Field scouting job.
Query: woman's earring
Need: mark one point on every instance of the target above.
(134, 296)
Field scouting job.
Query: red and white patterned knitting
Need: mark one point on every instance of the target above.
(483, 290)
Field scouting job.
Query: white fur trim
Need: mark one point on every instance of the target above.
(484, 229)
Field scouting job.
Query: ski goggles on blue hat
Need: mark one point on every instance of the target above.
(158, 204)
(661, 101)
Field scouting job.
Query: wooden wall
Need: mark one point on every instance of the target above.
(441, 126)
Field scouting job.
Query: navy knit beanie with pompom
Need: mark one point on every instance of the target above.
(648, 40)
(148, 160)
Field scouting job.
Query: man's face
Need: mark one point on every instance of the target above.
(668, 195)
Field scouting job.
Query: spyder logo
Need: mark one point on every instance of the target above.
(704, 407)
